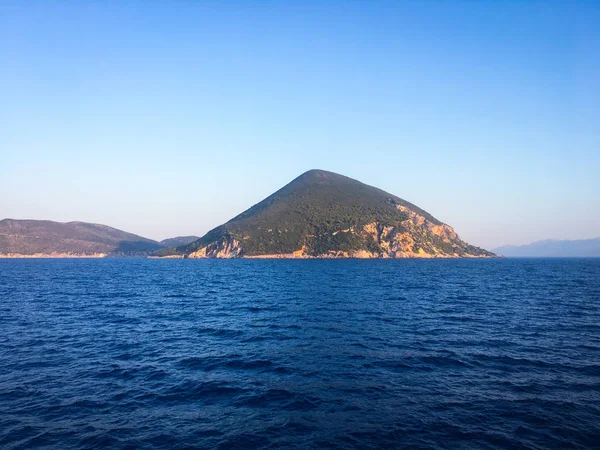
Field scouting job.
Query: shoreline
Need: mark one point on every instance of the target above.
(53, 256)
(253, 257)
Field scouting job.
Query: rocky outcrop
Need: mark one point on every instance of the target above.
(415, 237)
(226, 247)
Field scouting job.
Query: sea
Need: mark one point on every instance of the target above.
(240, 354)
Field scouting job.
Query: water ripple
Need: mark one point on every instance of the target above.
(307, 354)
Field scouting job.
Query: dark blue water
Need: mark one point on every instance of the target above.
(344, 354)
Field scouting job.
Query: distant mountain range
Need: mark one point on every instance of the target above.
(323, 214)
(553, 248)
(44, 238)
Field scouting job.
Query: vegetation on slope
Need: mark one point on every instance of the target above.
(45, 237)
(178, 241)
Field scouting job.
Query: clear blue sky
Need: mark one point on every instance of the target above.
(168, 118)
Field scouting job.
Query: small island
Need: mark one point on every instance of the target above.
(322, 214)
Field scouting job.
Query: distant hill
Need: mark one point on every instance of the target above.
(178, 241)
(323, 214)
(553, 248)
(47, 238)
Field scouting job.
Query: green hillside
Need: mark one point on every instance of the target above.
(45, 237)
(323, 213)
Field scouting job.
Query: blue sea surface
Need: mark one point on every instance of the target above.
(138, 353)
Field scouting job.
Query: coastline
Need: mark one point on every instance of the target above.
(52, 255)
(272, 256)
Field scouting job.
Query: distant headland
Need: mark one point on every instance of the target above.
(550, 248)
(48, 239)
